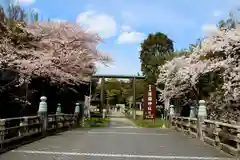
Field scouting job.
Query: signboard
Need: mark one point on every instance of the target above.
(149, 99)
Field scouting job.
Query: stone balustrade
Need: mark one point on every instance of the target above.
(223, 136)
(20, 129)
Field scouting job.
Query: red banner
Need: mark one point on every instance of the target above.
(149, 98)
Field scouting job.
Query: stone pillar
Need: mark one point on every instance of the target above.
(42, 112)
(171, 114)
(192, 112)
(59, 109)
(238, 143)
(104, 113)
(77, 109)
(76, 114)
(2, 133)
(202, 114)
(23, 130)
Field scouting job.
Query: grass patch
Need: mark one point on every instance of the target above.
(96, 122)
(148, 123)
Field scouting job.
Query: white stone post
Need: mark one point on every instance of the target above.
(59, 109)
(2, 134)
(76, 114)
(202, 110)
(104, 113)
(192, 112)
(42, 112)
(171, 114)
(77, 109)
(202, 114)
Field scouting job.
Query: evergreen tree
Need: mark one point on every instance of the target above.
(154, 51)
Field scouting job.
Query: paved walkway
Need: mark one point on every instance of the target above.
(118, 120)
(116, 144)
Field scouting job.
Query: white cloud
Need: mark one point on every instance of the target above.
(217, 13)
(25, 2)
(207, 28)
(100, 23)
(130, 37)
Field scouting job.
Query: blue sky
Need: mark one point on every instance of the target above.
(125, 23)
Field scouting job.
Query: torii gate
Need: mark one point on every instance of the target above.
(102, 77)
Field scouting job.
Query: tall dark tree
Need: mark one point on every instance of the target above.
(154, 51)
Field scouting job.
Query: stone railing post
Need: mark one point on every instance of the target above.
(171, 114)
(192, 112)
(42, 112)
(2, 133)
(77, 109)
(104, 113)
(202, 113)
(238, 143)
(76, 114)
(217, 130)
(59, 109)
(23, 130)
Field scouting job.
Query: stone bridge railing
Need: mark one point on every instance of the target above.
(223, 136)
(16, 131)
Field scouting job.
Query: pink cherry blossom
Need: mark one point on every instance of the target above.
(218, 51)
(61, 51)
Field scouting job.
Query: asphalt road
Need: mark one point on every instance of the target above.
(116, 143)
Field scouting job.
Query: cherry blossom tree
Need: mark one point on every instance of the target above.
(63, 52)
(44, 58)
(219, 53)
